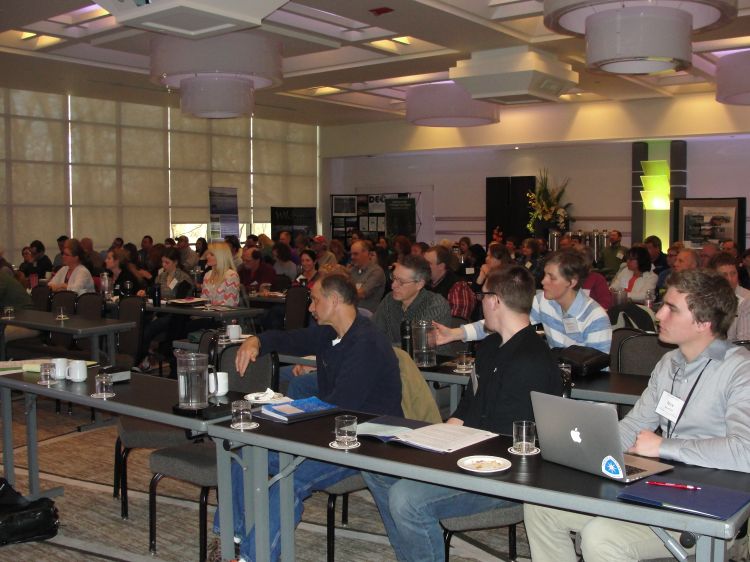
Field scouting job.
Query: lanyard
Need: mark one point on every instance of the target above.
(670, 429)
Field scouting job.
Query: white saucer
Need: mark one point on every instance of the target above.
(47, 383)
(277, 398)
(462, 371)
(534, 451)
(334, 445)
(103, 395)
(62, 317)
(245, 427)
(484, 464)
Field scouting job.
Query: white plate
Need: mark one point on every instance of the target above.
(484, 464)
(278, 398)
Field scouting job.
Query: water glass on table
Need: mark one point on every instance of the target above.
(524, 437)
(242, 415)
(464, 362)
(46, 374)
(9, 313)
(346, 432)
(103, 386)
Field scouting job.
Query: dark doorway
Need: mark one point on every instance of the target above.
(508, 205)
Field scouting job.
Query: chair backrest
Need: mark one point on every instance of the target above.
(90, 306)
(631, 315)
(618, 336)
(67, 301)
(260, 375)
(639, 354)
(417, 402)
(295, 309)
(209, 344)
(130, 342)
(281, 283)
(40, 296)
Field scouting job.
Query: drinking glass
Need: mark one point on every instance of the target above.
(103, 386)
(128, 288)
(9, 313)
(524, 437)
(464, 361)
(61, 314)
(242, 415)
(46, 374)
(566, 373)
(346, 431)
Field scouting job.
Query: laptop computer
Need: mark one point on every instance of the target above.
(586, 436)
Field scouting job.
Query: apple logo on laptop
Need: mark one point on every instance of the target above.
(575, 435)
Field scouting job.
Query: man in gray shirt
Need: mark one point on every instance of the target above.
(368, 277)
(188, 258)
(698, 395)
(409, 299)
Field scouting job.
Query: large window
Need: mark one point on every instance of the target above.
(102, 169)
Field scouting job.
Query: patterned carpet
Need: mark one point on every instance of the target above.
(91, 527)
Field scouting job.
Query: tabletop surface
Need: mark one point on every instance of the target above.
(74, 324)
(529, 478)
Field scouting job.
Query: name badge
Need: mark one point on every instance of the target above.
(469, 271)
(474, 381)
(620, 255)
(669, 406)
(570, 325)
(173, 284)
(528, 265)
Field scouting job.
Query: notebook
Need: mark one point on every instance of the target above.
(586, 436)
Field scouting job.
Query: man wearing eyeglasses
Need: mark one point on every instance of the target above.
(511, 363)
(409, 300)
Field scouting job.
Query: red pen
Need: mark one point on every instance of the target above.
(673, 485)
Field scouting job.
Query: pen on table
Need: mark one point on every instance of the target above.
(673, 485)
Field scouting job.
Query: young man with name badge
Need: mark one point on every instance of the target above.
(698, 395)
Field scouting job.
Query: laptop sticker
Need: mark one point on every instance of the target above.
(611, 467)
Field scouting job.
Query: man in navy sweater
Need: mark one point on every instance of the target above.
(357, 370)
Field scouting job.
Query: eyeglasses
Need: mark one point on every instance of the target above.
(397, 281)
(482, 295)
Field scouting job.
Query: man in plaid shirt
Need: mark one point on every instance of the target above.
(447, 283)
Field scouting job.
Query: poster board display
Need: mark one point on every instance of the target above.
(297, 220)
(369, 215)
(698, 221)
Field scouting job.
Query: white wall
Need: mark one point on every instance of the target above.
(599, 180)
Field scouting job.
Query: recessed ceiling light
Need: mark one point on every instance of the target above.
(25, 35)
(403, 40)
(515, 148)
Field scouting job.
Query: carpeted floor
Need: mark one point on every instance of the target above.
(91, 527)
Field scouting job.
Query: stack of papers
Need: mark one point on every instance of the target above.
(439, 437)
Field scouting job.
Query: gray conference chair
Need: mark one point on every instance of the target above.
(618, 336)
(196, 462)
(500, 517)
(639, 354)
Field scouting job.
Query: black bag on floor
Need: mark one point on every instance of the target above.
(22, 520)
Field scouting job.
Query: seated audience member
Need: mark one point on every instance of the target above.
(254, 271)
(174, 283)
(710, 378)
(320, 247)
(730, 247)
(27, 267)
(409, 299)
(401, 248)
(188, 258)
(142, 274)
(635, 275)
(221, 285)
(73, 275)
(283, 264)
(658, 258)
(707, 253)
(497, 235)
(337, 249)
(531, 259)
(286, 238)
(497, 256)
(595, 283)
(117, 264)
(368, 277)
(147, 242)
(514, 362)
(57, 262)
(419, 248)
(41, 262)
(357, 370)
(308, 269)
(448, 284)
(153, 263)
(726, 265)
(12, 293)
(251, 241)
(511, 244)
(567, 314)
(613, 254)
(91, 257)
(672, 252)
(201, 247)
(235, 249)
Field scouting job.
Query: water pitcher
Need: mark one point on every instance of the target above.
(193, 373)
(424, 344)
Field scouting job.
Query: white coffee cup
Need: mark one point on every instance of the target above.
(77, 370)
(61, 368)
(223, 384)
(234, 331)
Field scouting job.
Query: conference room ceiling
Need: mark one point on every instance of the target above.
(342, 62)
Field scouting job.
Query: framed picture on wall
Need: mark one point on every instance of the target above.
(698, 221)
(344, 205)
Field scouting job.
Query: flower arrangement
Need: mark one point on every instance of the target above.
(545, 203)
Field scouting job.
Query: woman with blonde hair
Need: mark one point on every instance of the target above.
(221, 285)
